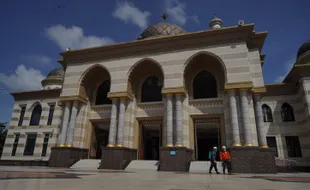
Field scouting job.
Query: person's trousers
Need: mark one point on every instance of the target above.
(213, 165)
(226, 164)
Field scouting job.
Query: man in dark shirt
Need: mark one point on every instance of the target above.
(212, 157)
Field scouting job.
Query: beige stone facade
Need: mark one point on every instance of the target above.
(232, 55)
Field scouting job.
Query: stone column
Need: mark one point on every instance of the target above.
(169, 119)
(260, 122)
(121, 117)
(178, 115)
(247, 130)
(234, 118)
(64, 125)
(112, 129)
(74, 112)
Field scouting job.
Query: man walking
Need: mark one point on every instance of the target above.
(212, 157)
(225, 158)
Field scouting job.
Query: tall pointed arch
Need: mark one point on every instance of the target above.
(287, 113)
(143, 72)
(207, 64)
(91, 80)
(36, 114)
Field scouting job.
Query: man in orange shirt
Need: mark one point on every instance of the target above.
(225, 158)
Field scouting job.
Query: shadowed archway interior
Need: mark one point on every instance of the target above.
(102, 93)
(204, 76)
(95, 85)
(145, 81)
(287, 113)
(36, 115)
(151, 90)
(204, 85)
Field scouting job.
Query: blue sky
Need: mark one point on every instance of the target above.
(33, 32)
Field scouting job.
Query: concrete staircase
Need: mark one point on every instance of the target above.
(203, 167)
(86, 164)
(146, 165)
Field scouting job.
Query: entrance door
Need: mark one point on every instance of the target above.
(207, 136)
(102, 136)
(150, 141)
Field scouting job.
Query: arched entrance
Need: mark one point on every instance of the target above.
(94, 86)
(204, 78)
(145, 82)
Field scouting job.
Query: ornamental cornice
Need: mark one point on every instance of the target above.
(234, 34)
(151, 105)
(101, 108)
(123, 94)
(205, 103)
(259, 89)
(173, 90)
(239, 85)
(64, 99)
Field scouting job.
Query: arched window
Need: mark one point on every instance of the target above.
(204, 85)
(151, 90)
(36, 115)
(287, 113)
(267, 113)
(102, 93)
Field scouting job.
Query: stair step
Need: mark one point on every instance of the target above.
(91, 164)
(151, 165)
(203, 167)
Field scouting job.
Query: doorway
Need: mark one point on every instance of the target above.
(150, 141)
(101, 135)
(207, 136)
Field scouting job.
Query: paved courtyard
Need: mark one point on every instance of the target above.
(35, 178)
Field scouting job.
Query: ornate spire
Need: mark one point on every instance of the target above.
(215, 22)
(164, 16)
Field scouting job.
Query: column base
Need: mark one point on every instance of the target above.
(252, 160)
(117, 158)
(177, 160)
(66, 156)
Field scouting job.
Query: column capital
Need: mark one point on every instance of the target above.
(64, 99)
(259, 90)
(244, 90)
(119, 95)
(239, 85)
(173, 90)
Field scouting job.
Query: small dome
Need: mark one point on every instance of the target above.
(59, 72)
(303, 49)
(54, 79)
(161, 29)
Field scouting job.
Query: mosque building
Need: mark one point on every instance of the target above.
(169, 96)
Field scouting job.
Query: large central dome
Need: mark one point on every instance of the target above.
(161, 29)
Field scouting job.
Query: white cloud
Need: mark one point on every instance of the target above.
(177, 11)
(127, 12)
(23, 79)
(74, 37)
(288, 66)
(38, 60)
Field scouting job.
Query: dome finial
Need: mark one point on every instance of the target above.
(215, 23)
(164, 16)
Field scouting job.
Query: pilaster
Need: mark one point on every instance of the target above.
(234, 118)
(169, 117)
(179, 127)
(74, 112)
(260, 122)
(64, 125)
(113, 122)
(121, 120)
(245, 117)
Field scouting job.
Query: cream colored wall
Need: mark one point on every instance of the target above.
(234, 56)
(25, 129)
(299, 127)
